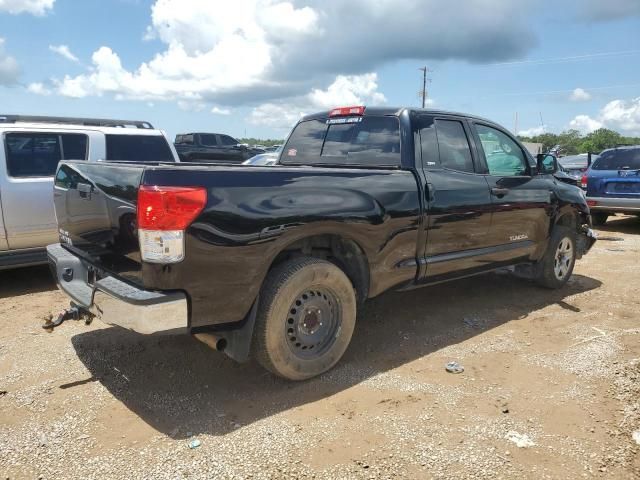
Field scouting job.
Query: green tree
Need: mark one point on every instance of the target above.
(601, 139)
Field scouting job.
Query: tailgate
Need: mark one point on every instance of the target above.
(95, 207)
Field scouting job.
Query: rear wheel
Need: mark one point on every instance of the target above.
(599, 218)
(305, 319)
(554, 270)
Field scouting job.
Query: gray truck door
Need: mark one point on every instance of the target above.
(30, 160)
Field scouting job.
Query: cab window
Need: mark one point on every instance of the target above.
(504, 156)
(455, 153)
(37, 154)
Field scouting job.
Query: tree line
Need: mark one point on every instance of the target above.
(572, 142)
(269, 142)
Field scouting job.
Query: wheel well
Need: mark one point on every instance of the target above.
(567, 220)
(338, 250)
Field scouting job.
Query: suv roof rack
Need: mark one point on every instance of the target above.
(93, 122)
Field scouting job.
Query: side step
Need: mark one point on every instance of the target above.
(22, 258)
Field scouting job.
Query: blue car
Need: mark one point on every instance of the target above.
(613, 183)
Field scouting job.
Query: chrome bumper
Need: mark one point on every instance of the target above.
(114, 301)
(615, 204)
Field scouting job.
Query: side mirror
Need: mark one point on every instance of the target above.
(547, 164)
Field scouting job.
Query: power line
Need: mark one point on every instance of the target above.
(574, 58)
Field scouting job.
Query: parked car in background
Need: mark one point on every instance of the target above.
(218, 147)
(576, 165)
(613, 183)
(30, 152)
(265, 159)
(273, 148)
(275, 262)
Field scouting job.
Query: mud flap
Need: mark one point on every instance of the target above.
(586, 238)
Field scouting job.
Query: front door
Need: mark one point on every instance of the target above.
(521, 202)
(31, 159)
(458, 199)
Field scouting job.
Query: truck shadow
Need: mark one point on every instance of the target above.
(619, 224)
(23, 281)
(178, 385)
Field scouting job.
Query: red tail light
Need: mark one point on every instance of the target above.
(592, 203)
(583, 182)
(169, 208)
(346, 111)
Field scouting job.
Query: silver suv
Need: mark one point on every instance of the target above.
(31, 150)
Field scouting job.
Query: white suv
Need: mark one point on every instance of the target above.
(31, 150)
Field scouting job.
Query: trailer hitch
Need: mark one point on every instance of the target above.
(74, 312)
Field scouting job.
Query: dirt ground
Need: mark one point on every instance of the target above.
(551, 388)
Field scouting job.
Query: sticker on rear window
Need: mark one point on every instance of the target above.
(292, 152)
(338, 121)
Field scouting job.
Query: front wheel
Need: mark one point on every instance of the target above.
(305, 319)
(556, 266)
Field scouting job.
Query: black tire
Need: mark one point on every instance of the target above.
(556, 267)
(305, 319)
(599, 218)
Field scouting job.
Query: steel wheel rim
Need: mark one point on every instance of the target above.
(563, 258)
(313, 322)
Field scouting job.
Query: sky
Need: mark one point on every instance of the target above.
(251, 68)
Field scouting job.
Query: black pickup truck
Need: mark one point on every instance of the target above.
(216, 147)
(274, 261)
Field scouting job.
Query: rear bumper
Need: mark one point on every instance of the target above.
(614, 204)
(114, 301)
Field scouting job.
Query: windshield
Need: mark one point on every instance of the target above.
(618, 159)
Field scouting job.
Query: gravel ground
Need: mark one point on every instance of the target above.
(551, 388)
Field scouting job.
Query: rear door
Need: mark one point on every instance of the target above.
(30, 161)
(459, 203)
(521, 202)
(616, 173)
(211, 148)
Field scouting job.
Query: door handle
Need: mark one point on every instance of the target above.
(499, 192)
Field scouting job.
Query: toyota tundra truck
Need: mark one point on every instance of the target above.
(274, 262)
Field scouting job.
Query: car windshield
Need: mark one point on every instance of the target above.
(619, 159)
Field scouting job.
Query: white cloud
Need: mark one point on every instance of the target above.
(34, 7)
(268, 51)
(585, 124)
(622, 115)
(345, 90)
(533, 131)
(38, 88)
(9, 68)
(580, 95)
(619, 115)
(220, 111)
(63, 50)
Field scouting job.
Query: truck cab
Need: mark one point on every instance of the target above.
(214, 147)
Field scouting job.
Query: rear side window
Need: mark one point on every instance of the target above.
(184, 139)
(138, 148)
(620, 159)
(455, 152)
(38, 154)
(357, 141)
(208, 140)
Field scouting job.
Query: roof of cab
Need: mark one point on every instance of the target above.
(396, 111)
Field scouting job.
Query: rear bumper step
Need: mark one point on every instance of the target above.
(115, 302)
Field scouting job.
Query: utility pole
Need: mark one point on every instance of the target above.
(423, 93)
(515, 126)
